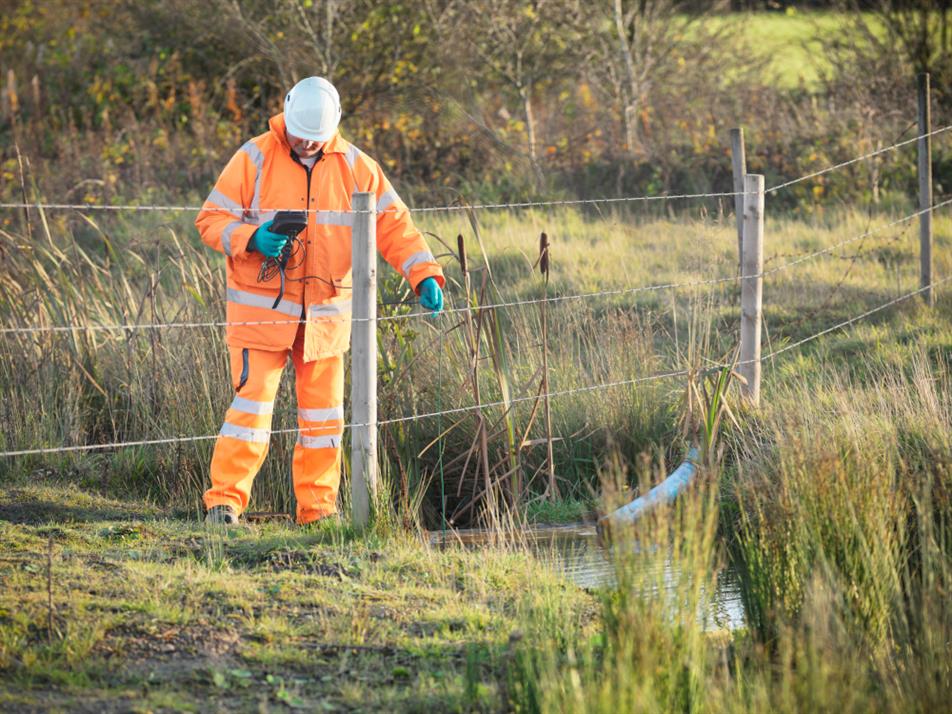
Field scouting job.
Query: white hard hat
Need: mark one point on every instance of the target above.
(312, 109)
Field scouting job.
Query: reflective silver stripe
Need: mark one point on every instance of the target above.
(250, 406)
(335, 218)
(254, 153)
(260, 217)
(264, 217)
(319, 442)
(421, 257)
(240, 297)
(226, 236)
(222, 201)
(351, 156)
(388, 198)
(258, 436)
(329, 414)
(330, 308)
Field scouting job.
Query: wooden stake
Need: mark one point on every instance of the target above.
(739, 165)
(752, 287)
(925, 190)
(363, 455)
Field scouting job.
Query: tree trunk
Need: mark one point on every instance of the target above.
(631, 86)
(526, 94)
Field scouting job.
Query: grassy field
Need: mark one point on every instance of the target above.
(790, 42)
(831, 502)
(111, 605)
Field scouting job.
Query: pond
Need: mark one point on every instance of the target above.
(576, 551)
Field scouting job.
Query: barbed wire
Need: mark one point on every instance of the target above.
(304, 430)
(870, 155)
(508, 304)
(489, 405)
(462, 206)
(422, 209)
(845, 323)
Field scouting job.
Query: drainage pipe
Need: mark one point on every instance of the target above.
(664, 492)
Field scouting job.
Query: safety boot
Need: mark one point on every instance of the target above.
(223, 515)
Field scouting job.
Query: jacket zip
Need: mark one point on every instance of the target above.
(307, 206)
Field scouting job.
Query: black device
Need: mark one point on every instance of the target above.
(290, 224)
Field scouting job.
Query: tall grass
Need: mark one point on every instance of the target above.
(102, 386)
(837, 513)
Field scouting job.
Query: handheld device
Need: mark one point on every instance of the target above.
(290, 224)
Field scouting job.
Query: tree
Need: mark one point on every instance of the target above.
(523, 46)
(646, 40)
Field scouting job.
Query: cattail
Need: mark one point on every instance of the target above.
(462, 252)
(544, 254)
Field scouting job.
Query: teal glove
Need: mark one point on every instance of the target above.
(431, 295)
(266, 242)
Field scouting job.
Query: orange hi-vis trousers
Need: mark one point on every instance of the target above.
(243, 440)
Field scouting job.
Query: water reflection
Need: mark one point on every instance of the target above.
(577, 553)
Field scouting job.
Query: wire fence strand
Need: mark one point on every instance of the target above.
(422, 209)
(39, 205)
(857, 159)
(121, 327)
(488, 405)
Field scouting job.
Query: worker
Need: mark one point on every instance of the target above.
(301, 162)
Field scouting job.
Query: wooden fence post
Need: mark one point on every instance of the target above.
(363, 374)
(925, 190)
(739, 163)
(752, 287)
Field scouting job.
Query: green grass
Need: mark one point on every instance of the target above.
(831, 502)
(790, 42)
(152, 611)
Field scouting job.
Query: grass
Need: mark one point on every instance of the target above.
(831, 502)
(790, 42)
(834, 505)
(152, 612)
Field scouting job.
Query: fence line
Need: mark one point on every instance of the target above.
(857, 159)
(513, 303)
(488, 405)
(464, 207)
(424, 209)
(857, 318)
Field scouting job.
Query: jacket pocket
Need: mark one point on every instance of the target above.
(329, 323)
(246, 268)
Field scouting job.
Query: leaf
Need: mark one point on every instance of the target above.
(195, 294)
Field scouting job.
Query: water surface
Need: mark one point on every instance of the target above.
(575, 551)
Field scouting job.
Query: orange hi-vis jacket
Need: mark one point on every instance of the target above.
(262, 178)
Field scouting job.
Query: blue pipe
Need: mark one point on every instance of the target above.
(664, 492)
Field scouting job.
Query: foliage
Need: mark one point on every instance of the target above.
(146, 101)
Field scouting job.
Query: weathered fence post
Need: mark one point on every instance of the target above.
(925, 190)
(752, 287)
(363, 374)
(739, 163)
